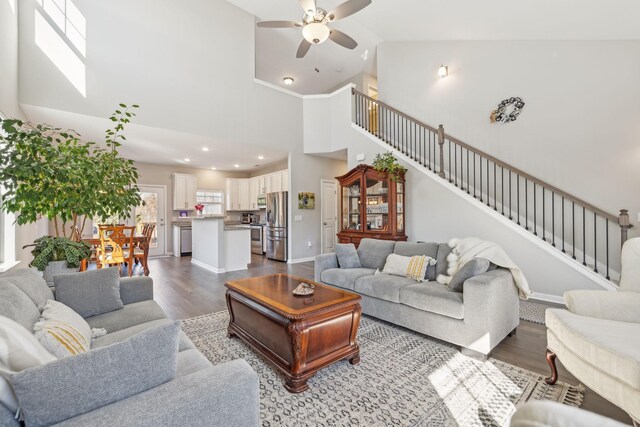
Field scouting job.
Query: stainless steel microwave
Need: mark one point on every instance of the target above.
(262, 201)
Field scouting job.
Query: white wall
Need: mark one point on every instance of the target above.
(305, 173)
(10, 108)
(326, 118)
(189, 65)
(579, 129)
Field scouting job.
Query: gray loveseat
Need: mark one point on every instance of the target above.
(476, 319)
(201, 394)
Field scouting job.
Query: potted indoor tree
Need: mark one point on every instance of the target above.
(52, 173)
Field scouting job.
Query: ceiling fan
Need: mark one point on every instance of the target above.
(314, 24)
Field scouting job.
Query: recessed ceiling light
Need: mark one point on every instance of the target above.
(288, 81)
(236, 166)
(205, 148)
(261, 157)
(186, 159)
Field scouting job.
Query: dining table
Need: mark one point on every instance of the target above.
(138, 240)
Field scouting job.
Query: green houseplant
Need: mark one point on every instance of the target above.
(53, 173)
(387, 162)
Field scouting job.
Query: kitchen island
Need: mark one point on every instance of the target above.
(219, 247)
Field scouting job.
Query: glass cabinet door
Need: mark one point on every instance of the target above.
(399, 207)
(377, 204)
(351, 195)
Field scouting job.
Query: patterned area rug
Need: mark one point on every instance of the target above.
(533, 311)
(403, 379)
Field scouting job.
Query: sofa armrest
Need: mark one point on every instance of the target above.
(136, 289)
(324, 262)
(491, 304)
(618, 306)
(227, 394)
(547, 413)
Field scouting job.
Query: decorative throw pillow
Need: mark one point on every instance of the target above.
(414, 267)
(19, 350)
(90, 293)
(72, 386)
(471, 268)
(62, 331)
(347, 255)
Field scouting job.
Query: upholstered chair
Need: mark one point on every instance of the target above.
(597, 338)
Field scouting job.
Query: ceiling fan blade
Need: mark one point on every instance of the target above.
(303, 48)
(308, 5)
(342, 39)
(348, 8)
(279, 24)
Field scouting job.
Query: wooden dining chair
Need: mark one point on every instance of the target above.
(139, 250)
(116, 243)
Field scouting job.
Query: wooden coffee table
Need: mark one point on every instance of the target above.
(299, 335)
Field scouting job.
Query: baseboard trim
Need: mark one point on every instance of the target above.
(537, 296)
(208, 267)
(299, 260)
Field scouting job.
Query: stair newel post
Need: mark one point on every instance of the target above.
(625, 225)
(441, 145)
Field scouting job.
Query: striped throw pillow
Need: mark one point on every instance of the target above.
(62, 331)
(414, 267)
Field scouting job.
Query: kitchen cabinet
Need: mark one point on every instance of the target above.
(275, 180)
(254, 192)
(184, 191)
(284, 179)
(262, 185)
(238, 198)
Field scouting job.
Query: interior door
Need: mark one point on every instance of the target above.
(152, 210)
(329, 207)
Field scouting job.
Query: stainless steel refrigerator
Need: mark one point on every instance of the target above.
(277, 217)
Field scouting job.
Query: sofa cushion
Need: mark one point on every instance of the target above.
(373, 253)
(442, 264)
(469, 269)
(121, 335)
(90, 293)
(433, 297)
(17, 306)
(345, 278)
(419, 248)
(129, 315)
(30, 281)
(383, 286)
(75, 385)
(190, 361)
(608, 345)
(347, 255)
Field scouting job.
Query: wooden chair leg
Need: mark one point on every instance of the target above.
(551, 360)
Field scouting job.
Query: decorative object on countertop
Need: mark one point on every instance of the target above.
(304, 289)
(306, 200)
(499, 115)
(199, 208)
(387, 162)
(184, 214)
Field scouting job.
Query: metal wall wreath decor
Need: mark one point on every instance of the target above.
(500, 115)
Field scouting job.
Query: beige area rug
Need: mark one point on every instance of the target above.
(403, 379)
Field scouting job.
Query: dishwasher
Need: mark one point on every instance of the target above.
(181, 240)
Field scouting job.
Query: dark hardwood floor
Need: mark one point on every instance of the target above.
(185, 290)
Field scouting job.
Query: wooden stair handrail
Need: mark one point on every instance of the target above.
(587, 205)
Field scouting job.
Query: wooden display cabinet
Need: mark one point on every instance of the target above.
(371, 206)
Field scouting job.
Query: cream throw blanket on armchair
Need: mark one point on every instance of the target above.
(471, 247)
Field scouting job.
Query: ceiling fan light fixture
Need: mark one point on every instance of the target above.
(288, 81)
(315, 32)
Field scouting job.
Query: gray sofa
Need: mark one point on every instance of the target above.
(476, 319)
(201, 393)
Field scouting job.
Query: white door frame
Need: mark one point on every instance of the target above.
(335, 205)
(166, 208)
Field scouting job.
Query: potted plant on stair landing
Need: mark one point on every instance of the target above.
(52, 173)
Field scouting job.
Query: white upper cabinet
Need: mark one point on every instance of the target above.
(254, 192)
(284, 179)
(242, 193)
(276, 182)
(184, 191)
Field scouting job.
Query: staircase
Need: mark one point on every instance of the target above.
(584, 233)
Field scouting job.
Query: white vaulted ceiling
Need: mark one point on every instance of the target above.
(424, 20)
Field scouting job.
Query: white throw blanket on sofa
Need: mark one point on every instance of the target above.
(471, 247)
